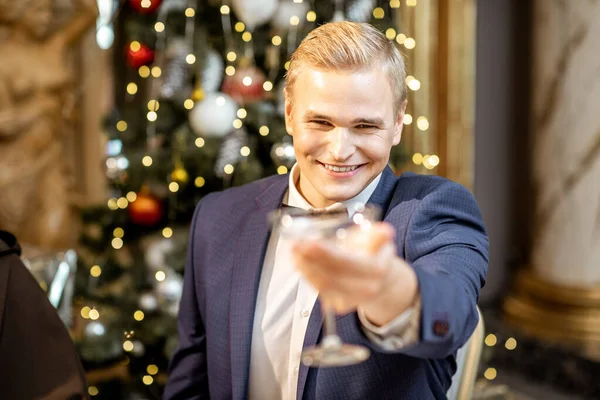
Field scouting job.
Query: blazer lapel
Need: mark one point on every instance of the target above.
(381, 196)
(250, 252)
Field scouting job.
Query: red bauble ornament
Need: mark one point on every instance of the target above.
(246, 85)
(145, 6)
(146, 210)
(139, 54)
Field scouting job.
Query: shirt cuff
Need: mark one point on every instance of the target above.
(400, 332)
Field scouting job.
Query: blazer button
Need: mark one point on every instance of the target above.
(440, 328)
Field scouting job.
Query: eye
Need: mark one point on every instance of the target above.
(320, 122)
(364, 127)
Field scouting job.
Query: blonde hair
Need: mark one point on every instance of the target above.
(349, 46)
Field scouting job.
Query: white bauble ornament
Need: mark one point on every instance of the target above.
(254, 12)
(214, 115)
(288, 9)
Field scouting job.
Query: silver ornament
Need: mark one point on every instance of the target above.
(360, 10)
(230, 151)
(212, 71)
(176, 71)
(282, 154)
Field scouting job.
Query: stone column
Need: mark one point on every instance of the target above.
(558, 296)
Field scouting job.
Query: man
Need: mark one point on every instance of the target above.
(37, 357)
(246, 314)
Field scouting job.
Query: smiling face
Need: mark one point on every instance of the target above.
(344, 124)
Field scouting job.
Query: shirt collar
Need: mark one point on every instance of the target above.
(295, 199)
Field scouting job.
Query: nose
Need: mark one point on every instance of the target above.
(341, 146)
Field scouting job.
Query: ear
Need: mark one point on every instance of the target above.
(288, 111)
(399, 124)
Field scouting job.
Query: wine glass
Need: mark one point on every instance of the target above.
(347, 229)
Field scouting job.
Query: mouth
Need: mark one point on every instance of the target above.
(341, 170)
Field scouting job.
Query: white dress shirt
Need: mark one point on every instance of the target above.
(283, 307)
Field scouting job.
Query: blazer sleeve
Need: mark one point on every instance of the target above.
(447, 245)
(188, 377)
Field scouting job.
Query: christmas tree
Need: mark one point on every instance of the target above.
(198, 108)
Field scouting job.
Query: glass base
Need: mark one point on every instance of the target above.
(334, 356)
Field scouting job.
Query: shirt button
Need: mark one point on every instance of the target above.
(304, 313)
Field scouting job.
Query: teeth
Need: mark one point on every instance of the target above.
(340, 169)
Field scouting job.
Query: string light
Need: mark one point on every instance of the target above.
(152, 369)
(93, 391)
(410, 43)
(152, 116)
(242, 113)
(228, 169)
(117, 243)
(490, 340)
(286, 65)
(132, 88)
(138, 315)
(268, 86)
(85, 312)
(276, 40)
(121, 126)
(122, 203)
(128, 345)
(225, 10)
(199, 182)
(434, 161)
(378, 13)
(153, 105)
(112, 204)
(188, 104)
(146, 3)
(156, 72)
(407, 120)
(144, 71)
(237, 123)
(247, 81)
(282, 169)
(246, 36)
(510, 344)
(174, 187)
(147, 161)
(135, 46)
(94, 314)
(395, 3)
(245, 151)
(422, 123)
(199, 142)
(190, 59)
(95, 271)
(417, 158)
(311, 16)
(167, 232)
(263, 130)
(411, 3)
(401, 38)
(490, 374)
(189, 12)
(230, 70)
(147, 379)
(131, 197)
(220, 101)
(160, 276)
(231, 56)
(159, 27)
(390, 33)
(294, 20)
(119, 232)
(239, 27)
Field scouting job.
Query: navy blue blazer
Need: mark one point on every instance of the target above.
(440, 232)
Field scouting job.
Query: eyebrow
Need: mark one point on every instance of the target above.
(361, 120)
